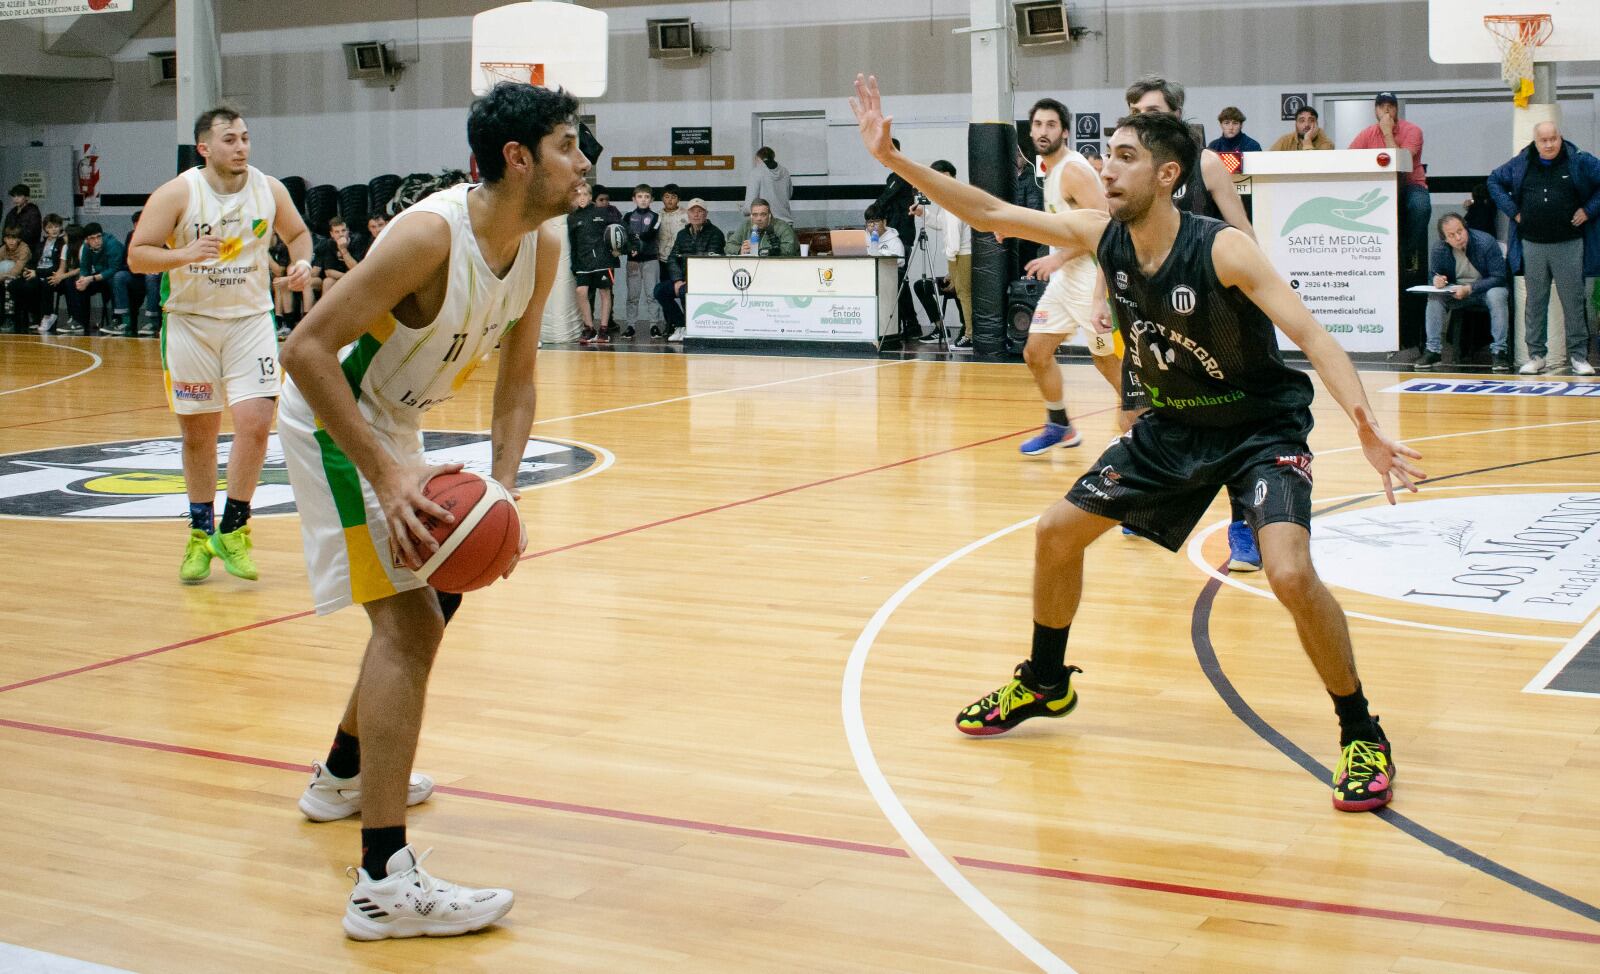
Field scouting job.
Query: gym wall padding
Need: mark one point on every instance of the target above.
(991, 154)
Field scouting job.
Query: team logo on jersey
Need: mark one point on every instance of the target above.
(1122, 280)
(259, 228)
(142, 480)
(1183, 299)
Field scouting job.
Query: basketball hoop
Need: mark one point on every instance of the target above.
(517, 72)
(1517, 35)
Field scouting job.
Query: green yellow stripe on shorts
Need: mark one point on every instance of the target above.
(166, 371)
(368, 580)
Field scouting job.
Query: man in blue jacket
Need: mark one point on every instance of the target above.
(1551, 192)
(1469, 263)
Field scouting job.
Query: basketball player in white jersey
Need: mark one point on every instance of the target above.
(452, 276)
(207, 232)
(1067, 307)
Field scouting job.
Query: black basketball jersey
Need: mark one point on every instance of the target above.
(1192, 196)
(1205, 354)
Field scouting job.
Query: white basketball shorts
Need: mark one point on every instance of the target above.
(208, 362)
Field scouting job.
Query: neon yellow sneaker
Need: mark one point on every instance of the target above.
(234, 550)
(196, 565)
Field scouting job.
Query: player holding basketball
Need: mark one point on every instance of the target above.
(1197, 302)
(207, 232)
(458, 272)
(1067, 306)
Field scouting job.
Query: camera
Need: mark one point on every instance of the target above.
(922, 200)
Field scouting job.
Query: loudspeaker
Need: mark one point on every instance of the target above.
(1022, 297)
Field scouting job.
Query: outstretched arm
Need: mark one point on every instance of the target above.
(1078, 231)
(1241, 264)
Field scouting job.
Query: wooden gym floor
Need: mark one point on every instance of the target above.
(707, 726)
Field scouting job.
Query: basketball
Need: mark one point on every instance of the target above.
(482, 543)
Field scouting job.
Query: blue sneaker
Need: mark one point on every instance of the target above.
(1053, 435)
(1243, 555)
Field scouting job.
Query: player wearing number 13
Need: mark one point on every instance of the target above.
(207, 233)
(1197, 301)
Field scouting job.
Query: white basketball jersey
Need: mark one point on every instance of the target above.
(1056, 202)
(399, 373)
(237, 283)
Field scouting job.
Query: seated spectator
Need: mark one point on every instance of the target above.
(592, 266)
(49, 276)
(762, 235)
(143, 289)
(98, 262)
(361, 244)
(699, 239)
(1233, 138)
(1481, 211)
(283, 296)
(1468, 262)
(1307, 134)
(882, 239)
(14, 259)
(332, 256)
(644, 260)
(24, 216)
(1393, 132)
(673, 219)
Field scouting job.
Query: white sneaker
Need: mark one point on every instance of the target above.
(1532, 366)
(410, 903)
(1581, 366)
(328, 799)
(676, 336)
(46, 323)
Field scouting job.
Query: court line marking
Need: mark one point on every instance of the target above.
(855, 731)
(1198, 540)
(847, 845)
(26, 960)
(50, 382)
(1541, 681)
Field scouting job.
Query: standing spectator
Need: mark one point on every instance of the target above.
(1307, 134)
(896, 201)
(958, 253)
(1481, 211)
(39, 285)
(602, 199)
(143, 289)
(14, 259)
(1026, 191)
(98, 263)
(1233, 138)
(700, 238)
(769, 181)
(1468, 262)
(24, 215)
(773, 237)
(644, 253)
(673, 219)
(592, 266)
(333, 256)
(1551, 192)
(1416, 209)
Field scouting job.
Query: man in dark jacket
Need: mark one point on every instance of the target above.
(700, 238)
(1551, 192)
(24, 216)
(895, 201)
(592, 266)
(1469, 263)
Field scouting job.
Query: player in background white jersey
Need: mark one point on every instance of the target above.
(206, 232)
(451, 276)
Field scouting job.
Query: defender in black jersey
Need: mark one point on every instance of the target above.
(1197, 303)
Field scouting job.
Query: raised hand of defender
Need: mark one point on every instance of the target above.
(403, 504)
(874, 124)
(1391, 458)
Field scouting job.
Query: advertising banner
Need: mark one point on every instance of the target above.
(16, 9)
(787, 299)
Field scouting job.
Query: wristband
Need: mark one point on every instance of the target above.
(299, 262)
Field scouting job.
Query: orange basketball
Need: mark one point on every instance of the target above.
(483, 541)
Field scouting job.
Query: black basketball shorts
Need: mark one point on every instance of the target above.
(600, 280)
(1159, 477)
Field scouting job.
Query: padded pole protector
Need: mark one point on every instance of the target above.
(991, 155)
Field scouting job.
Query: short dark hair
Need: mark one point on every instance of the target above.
(1170, 90)
(1050, 105)
(21, 189)
(54, 220)
(1168, 138)
(1446, 219)
(515, 112)
(944, 166)
(11, 230)
(671, 188)
(758, 201)
(335, 221)
(1231, 114)
(601, 191)
(894, 142)
(1305, 109)
(210, 117)
(765, 154)
(873, 214)
(90, 229)
(643, 188)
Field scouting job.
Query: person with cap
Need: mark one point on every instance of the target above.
(1233, 138)
(700, 238)
(1390, 131)
(1307, 134)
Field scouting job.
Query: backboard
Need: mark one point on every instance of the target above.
(566, 43)
(1456, 34)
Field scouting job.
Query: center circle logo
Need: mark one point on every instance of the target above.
(142, 480)
(741, 280)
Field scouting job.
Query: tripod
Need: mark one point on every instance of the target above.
(919, 252)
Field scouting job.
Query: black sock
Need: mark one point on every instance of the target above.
(1058, 416)
(377, 845)
(234, 514)
(200, 516)
(1355, 723)
(449, 602)
(344, 758)
(1049, 654)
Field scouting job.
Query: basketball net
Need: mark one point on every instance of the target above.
(518, 72)
(1517, 36)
